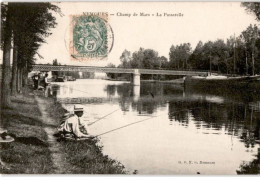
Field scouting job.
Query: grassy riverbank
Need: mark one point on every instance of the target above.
(29, 153)
(85, 157)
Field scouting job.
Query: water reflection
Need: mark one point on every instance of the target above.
(207, 115)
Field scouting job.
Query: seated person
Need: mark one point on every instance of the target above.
(72, 125)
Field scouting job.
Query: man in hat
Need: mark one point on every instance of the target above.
(35, 79)
(72, 125)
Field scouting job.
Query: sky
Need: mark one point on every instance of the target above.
(200, 21)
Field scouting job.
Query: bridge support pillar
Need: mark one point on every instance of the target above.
(136, 93)
(80, 75)
(136, 78)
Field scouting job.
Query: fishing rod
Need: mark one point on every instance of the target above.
(130, 124)
(124, 126)
(103, 117)
(140, 121)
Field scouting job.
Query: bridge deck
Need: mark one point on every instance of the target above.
(39, 67)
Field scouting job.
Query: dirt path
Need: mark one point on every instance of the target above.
(54, 146)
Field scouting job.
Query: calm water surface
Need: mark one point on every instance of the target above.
(183, 132)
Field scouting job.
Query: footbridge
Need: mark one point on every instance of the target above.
(136, 72)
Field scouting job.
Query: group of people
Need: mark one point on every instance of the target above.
(36, 81)
(41, 84)
(72, 125)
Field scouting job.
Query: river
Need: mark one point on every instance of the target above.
(168, 129)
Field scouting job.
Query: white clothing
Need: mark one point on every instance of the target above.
(72, 125)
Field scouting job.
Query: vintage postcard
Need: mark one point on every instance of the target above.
(146, 88)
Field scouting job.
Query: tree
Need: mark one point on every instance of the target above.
(125, 59)
(218, 55)
(141, 59)
(239, 55)
(31, 36)
(150, 59)
(28, 24)
(209, 56)
(137, 59)
(195, 59)
(7, 31)
(55, 63)
(173, 62)
(179, 55)
(250, 37)
(253, 7)
(163, 62)
(145, 59)
(14, 68)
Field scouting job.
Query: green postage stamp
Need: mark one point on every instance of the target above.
(91, 36)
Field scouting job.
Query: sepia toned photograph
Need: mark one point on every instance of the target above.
(130, 88)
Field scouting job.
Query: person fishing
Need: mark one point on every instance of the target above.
(72, 126)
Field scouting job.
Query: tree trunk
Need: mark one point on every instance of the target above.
(24, 76)
(186, 64)
(227, 69)
(210, 65)
(253, 64)
(14, 70)
(218, 68)
(19, 80)
(234, 63)
(1, 118)
(246, 65)
(5, 93)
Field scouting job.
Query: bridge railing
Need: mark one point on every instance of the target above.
(41, 67)
(171, 72)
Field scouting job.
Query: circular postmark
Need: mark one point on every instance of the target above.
(91, 37)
